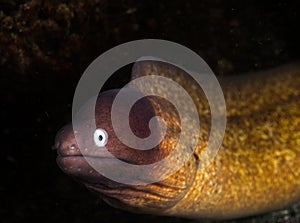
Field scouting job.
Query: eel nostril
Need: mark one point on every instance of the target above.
(65, 142)
(72, 147)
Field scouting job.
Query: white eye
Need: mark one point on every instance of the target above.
(100, 137)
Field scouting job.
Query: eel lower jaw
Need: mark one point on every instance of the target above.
(78, 167)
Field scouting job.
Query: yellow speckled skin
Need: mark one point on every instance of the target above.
(257, 168)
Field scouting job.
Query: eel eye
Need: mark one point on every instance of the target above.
(100, 137)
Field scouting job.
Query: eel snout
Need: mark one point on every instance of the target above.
(70, 158)
(65, 142)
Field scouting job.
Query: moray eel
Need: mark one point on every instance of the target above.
(256, 170)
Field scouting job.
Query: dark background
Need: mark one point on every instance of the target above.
(46, 45)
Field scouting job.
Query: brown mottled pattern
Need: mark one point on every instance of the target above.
(258, 166)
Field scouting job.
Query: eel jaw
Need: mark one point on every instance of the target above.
(78, 167)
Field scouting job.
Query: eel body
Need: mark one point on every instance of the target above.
(256, 170)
